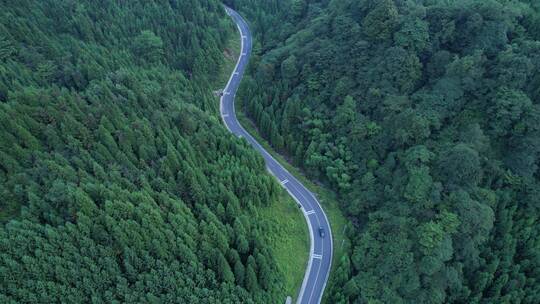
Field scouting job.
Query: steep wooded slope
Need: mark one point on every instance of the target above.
(423, 116)
(117, 181)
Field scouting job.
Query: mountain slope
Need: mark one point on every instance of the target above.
(118, 182)
(422, 116)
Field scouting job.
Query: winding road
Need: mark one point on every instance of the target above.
(320, 257)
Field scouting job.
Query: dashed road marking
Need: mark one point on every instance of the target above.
(310, 212)
(309, 270)
(283, 182)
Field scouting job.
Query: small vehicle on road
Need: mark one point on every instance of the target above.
(321, 231)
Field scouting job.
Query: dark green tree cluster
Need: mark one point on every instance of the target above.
(423, 116)
(117, 184)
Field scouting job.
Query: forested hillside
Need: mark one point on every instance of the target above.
(118, 183)
(423, 117)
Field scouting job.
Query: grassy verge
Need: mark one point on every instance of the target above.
(289, 239)
(289, 236)
(231, 53)
(326, 197)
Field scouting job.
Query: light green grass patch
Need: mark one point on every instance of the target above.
(230, 55)
(288, 250)
(326, 197)
(289, 239)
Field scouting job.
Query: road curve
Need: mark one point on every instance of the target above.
(320, 256)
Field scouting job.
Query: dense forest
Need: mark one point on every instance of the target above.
(118, 184)
(423, 117)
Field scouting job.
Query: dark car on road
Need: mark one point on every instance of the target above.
(321, 231)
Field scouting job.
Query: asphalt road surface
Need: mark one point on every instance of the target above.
(320, 257)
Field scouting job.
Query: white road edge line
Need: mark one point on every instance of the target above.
(316, 279)
(232, 75)
(311, 248)
(308, 268)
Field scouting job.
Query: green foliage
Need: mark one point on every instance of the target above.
(117, 183)
(460, 165)
(148, 46)
(423, 116)
(381, 21)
